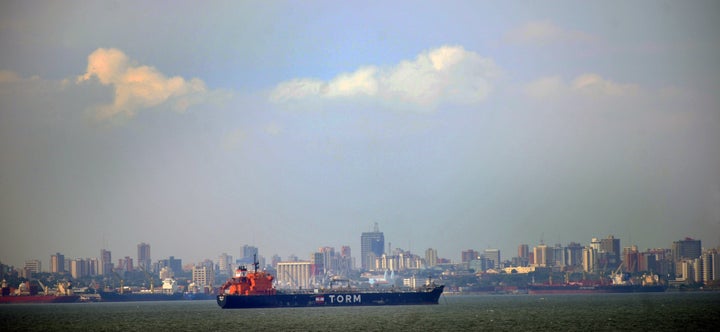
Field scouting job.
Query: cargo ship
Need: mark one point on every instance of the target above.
(255, 290)
(169, 292)
(27, 293)
(574, 288)
(620, 284)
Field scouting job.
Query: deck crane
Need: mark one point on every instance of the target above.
(150, 278)
(122, 282)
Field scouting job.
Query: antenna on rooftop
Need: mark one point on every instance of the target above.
(376, 228)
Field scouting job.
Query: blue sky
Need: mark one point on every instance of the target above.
(199, 128)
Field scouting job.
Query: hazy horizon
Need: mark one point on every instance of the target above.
(201, 127)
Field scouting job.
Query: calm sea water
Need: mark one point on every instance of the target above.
(601, 312)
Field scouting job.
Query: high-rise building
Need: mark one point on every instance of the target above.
(558, 255)
(344, 262)
(203, 276)
(225, 264)
(174, 264)
(631, 259)
(106, 265)
(493, 257)
(372, 245)
(57, 263)
(686, 249)
(469, 255)
(523, 251)
(574, 254)
(431, 257)
(125, 264)
(249, 252)
(33, 266)
(542, 255)
(79, 268)
(143, 256)
(589, 259)
(710, 266)
(327, 259)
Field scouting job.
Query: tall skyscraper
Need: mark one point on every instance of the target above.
(574, 254)
(542, 255)
(106, 265)
(589, 260)
(431, 257)
(523, 251)
(372, 245)
(609, 254)
(225, 264)
(469, 255)
(33, 266)
(610, 245)
(492, 255)
(143, 255)
(57, 263)
(686, 249)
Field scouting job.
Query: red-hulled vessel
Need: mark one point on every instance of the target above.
(27, 293)
(255, 290)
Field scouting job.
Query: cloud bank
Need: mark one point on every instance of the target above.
(543, 33)
(139, 87)
(588, 85)
(446, 74)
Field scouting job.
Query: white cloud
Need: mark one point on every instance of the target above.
(592, 84)
(139, 87)
(449, 74)
(545, 32)
(588, 85)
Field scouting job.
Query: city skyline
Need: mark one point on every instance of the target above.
(241, 255)
(199, 128)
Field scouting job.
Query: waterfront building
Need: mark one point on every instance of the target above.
(610, 248)
(294, 275)
(33, 266)
(225, 264)
(686, 249)
(143, 256)
(647, 261)
(469, 255)
(57, 263)
(174, 264)
(589, 261)
(79, 268)
(431, 257)
(631, 260)
(105, 262)
(125, 264)
(372, 245)
(558, 255)
(203, 276)
(345, 262)
(574, 255)
(523, 251)
(542, 255)
(493, 257)
(710, 266)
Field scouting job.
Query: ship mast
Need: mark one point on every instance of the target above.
(255, 262)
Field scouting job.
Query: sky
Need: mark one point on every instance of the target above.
(200, 127)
